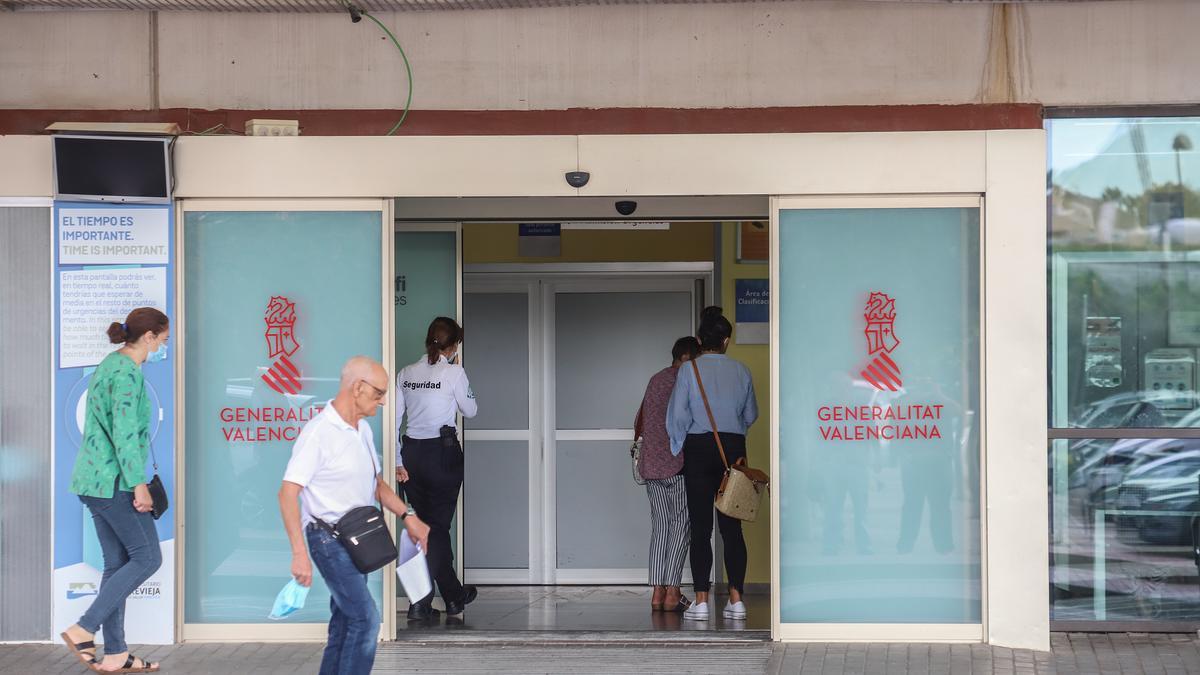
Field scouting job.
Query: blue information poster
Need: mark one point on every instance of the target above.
(109, 259)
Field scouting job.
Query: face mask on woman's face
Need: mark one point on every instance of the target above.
(159, 354)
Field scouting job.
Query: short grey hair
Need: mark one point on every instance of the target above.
(357, 368)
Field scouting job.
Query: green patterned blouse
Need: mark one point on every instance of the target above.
(117, 409)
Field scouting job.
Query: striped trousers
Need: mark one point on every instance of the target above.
(670, 530)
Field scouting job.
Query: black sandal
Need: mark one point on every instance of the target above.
(132, 667)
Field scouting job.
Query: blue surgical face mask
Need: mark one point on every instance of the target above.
(157, 355)
(290, 599)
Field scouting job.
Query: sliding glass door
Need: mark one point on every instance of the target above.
(277, 296)
(876, 304)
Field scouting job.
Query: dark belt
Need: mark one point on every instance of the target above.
(447, 437)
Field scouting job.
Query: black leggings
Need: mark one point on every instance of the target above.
(702, 473)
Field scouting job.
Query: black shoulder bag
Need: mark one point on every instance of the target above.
(158, 493)
(364, 533)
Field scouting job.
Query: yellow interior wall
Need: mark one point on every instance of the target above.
(684, 242)
(758, 441)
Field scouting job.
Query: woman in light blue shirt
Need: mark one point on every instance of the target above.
(730, 392)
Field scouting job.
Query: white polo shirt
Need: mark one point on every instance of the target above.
(336, 465)
(432, 395)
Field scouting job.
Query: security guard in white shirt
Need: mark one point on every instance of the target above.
(429, 459)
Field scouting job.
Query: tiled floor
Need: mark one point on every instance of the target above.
(582, 609)
(571, 630)
(1073, 654)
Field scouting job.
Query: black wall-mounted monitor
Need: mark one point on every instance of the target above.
(129, 169)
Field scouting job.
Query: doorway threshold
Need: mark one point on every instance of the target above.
(443, 635)
(582, 615)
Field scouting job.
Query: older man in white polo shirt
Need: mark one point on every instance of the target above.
(334, 469)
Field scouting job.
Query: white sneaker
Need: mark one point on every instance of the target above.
(735, 611)
(697, 612)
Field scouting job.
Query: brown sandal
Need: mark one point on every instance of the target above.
(86, 658)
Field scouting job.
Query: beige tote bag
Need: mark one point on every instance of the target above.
(742, 487)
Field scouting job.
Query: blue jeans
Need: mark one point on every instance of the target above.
(354, 618)
(129, 542)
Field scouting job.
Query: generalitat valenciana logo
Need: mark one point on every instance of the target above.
(884, 419)
(283, 376)
(881, 371)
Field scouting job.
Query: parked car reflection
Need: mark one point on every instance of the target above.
(1166, 484)
(1097, 462)
(1140, 475)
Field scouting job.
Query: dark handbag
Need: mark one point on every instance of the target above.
(364, 534)
(366, 537)
(158, 492)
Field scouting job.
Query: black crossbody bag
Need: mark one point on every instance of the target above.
(158, 492)
(364, 534)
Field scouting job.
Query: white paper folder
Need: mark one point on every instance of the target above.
(412, 569)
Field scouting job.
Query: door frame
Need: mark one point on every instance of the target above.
(403, 226)
(541, 283)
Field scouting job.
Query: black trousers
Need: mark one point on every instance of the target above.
(702, 474)
(435, 475)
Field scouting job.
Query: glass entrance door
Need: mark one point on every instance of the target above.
(559, 366)
(276, 297)
(502, 534)
(876, 304)
(606, 339)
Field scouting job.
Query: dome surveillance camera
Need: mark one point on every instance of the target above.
(577, 179)
(626, 208)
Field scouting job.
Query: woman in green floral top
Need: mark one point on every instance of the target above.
(110, 479)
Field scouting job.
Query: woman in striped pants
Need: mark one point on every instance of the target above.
(670, 531)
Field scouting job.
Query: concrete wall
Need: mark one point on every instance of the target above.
(814, 53)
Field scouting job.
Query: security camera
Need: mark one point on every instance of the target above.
(626, 208)
(355, 13)
(578, 179)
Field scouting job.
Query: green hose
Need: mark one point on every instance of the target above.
(407, 68)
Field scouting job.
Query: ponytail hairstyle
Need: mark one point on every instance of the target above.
(714, 329)
(443, 334)
(139, 322)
